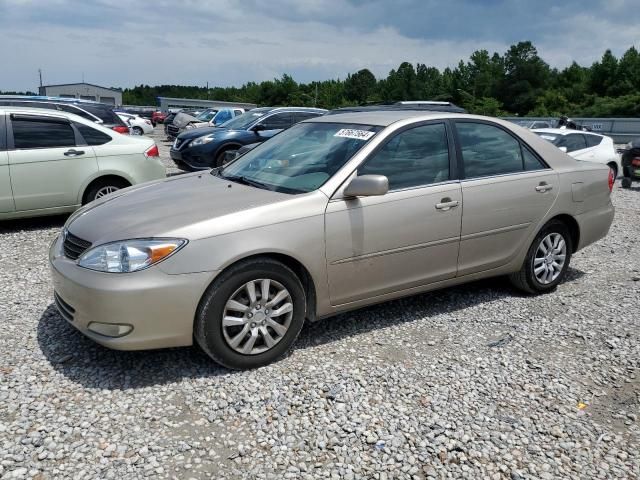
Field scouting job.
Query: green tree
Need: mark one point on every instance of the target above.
(360, 87)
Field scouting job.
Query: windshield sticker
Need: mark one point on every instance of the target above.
(547, 137)
(355, 134)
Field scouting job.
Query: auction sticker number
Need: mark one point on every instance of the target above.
(355, 134)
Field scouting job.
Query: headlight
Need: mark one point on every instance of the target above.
(202, 140)
(129, 255)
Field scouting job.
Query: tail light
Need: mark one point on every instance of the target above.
(152, 152)
(636, 162)
(612, 179)
(121, 129)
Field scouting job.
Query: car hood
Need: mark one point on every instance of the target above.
(177, 207)
(200, 132)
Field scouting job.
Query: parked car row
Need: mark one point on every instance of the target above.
(93, 111)
(52, 161)
(203, 148)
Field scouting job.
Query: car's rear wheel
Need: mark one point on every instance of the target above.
(251, 315)
(626, 182)
(136, 131)
(104, 187)
(547, 260)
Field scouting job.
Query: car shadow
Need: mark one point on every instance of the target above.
(85, 362)
(36, 223)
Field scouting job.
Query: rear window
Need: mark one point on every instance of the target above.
(105, 114)
(78, 111)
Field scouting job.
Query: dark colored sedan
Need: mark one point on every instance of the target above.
(204, 148)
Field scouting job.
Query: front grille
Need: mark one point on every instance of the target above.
(74, 246)
(66, 310)
(173, 130)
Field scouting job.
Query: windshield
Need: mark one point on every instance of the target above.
(245, 120)
(551, 137)
(300, 159)
(206, 116)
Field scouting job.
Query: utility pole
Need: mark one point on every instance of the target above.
(315, 100)
(207, 90)
(40, 74)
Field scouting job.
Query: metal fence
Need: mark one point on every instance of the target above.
(622, 130)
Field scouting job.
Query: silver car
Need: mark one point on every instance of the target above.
(333, 214)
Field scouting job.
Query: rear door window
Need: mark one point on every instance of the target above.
(38, 133)
(573, 142)
(488, 150)
(300, 116)
(279, 121)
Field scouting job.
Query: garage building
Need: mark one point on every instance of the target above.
(85, 91)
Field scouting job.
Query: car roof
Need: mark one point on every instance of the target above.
(384, 118)
(285, 109)
(564, 131)
(46, 112)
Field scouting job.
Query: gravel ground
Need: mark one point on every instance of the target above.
(470, 382)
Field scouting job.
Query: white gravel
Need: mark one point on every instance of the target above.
(470, 382)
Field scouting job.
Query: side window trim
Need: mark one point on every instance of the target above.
(3, 133)
(267, 117)
(522, 143)
(450, 150)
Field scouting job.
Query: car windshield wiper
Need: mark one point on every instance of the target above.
(247, 181)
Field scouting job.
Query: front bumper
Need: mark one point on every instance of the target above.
(196, 158)
(160, 307)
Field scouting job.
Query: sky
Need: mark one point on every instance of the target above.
(230, 42)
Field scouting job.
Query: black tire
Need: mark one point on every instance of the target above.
(94, 189)
(614, 167)
(626, 182)
(221, 156)
(137, 131)
(208, 330)
(525, 279)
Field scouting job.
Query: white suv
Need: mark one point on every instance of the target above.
(53, 162)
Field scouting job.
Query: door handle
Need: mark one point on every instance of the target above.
(446, 204)
(544, 187)
(73, 153)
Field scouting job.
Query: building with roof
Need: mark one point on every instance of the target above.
(84, 91)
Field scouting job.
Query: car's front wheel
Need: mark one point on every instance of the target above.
(251, 315)
(547, 260)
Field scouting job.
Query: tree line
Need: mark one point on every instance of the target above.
(518, 82)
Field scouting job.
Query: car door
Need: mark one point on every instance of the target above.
(407, 237)
(6, 195)
(46, 162)
(507, 190)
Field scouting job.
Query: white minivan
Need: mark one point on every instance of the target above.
(53, 162)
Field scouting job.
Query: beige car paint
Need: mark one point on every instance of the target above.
(370, 252)
(45, 181)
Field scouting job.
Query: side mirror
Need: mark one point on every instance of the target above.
(564, 149)
(367, 186)
(259, 128)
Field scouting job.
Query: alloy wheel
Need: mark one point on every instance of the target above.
(257, 316)
(550, 258)
(106, 190)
